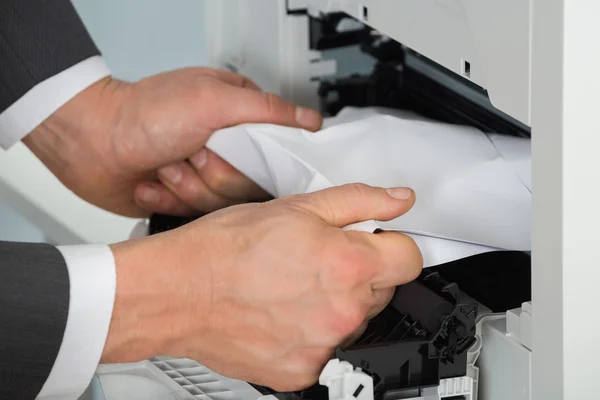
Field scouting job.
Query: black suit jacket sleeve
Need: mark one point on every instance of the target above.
(34, 306)
(38, 39)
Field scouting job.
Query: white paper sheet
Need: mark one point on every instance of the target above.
(473, 189)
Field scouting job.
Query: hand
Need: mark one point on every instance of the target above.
(112, 142)
(262, 292)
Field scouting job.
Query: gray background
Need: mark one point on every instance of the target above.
(137, 38)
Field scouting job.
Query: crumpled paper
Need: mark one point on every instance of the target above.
(473, 189)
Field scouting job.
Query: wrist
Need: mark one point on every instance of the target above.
(59, 140)
(154, 305)
(135, 332)
(78, 145)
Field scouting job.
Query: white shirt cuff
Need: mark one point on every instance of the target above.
(45, 98)
(93, 281)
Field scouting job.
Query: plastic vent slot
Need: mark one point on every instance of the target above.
(197, 380)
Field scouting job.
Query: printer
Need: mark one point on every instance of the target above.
(466, 329)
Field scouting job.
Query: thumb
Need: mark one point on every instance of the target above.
(352, 203)
(239, 105)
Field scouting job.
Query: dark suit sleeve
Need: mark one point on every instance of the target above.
(38, 39)
(34, 306)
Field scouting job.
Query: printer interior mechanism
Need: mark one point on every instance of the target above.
(402, 78)
(420, 339)
(461, 330)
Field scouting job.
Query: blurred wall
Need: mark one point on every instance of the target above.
(143, 37)
(137, 38)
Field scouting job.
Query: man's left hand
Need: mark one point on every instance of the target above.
(137, 148)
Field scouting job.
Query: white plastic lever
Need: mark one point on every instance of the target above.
(346, 383)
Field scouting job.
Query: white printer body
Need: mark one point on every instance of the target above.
(487, 42)
(538, 64)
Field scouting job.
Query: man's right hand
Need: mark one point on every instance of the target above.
(262, 292)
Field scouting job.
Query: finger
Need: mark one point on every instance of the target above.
(236, 80)
(235, 105)
(350, 340)
(225, 76)
(381, 298)
(348, 204)
(400, 260)
(155, 197)
(223, 179)
(184, 182)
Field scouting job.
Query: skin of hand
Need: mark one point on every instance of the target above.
(137, 148)
(262, 292)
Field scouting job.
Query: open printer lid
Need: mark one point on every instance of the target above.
(467, 37)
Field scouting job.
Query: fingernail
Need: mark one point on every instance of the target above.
(148, 195)
(199, 159)
(308, 118)
(172, 173)
(400, 193)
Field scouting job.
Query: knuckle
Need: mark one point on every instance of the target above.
(208, 92)
(308, 380)
(357, 198)
(300, 370)
(292, 382)
(293, 198)
(346, 266)
(350, 319)
(218, 181)
(204, 71)
(386, 296)
(414, 273)
(192, 190)
(295, 377)
(358, 189)
(414, 267)
(273, 103)
(382, 298)
(361, 191)
(296, 203)
(246, 82)
(281, 385)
